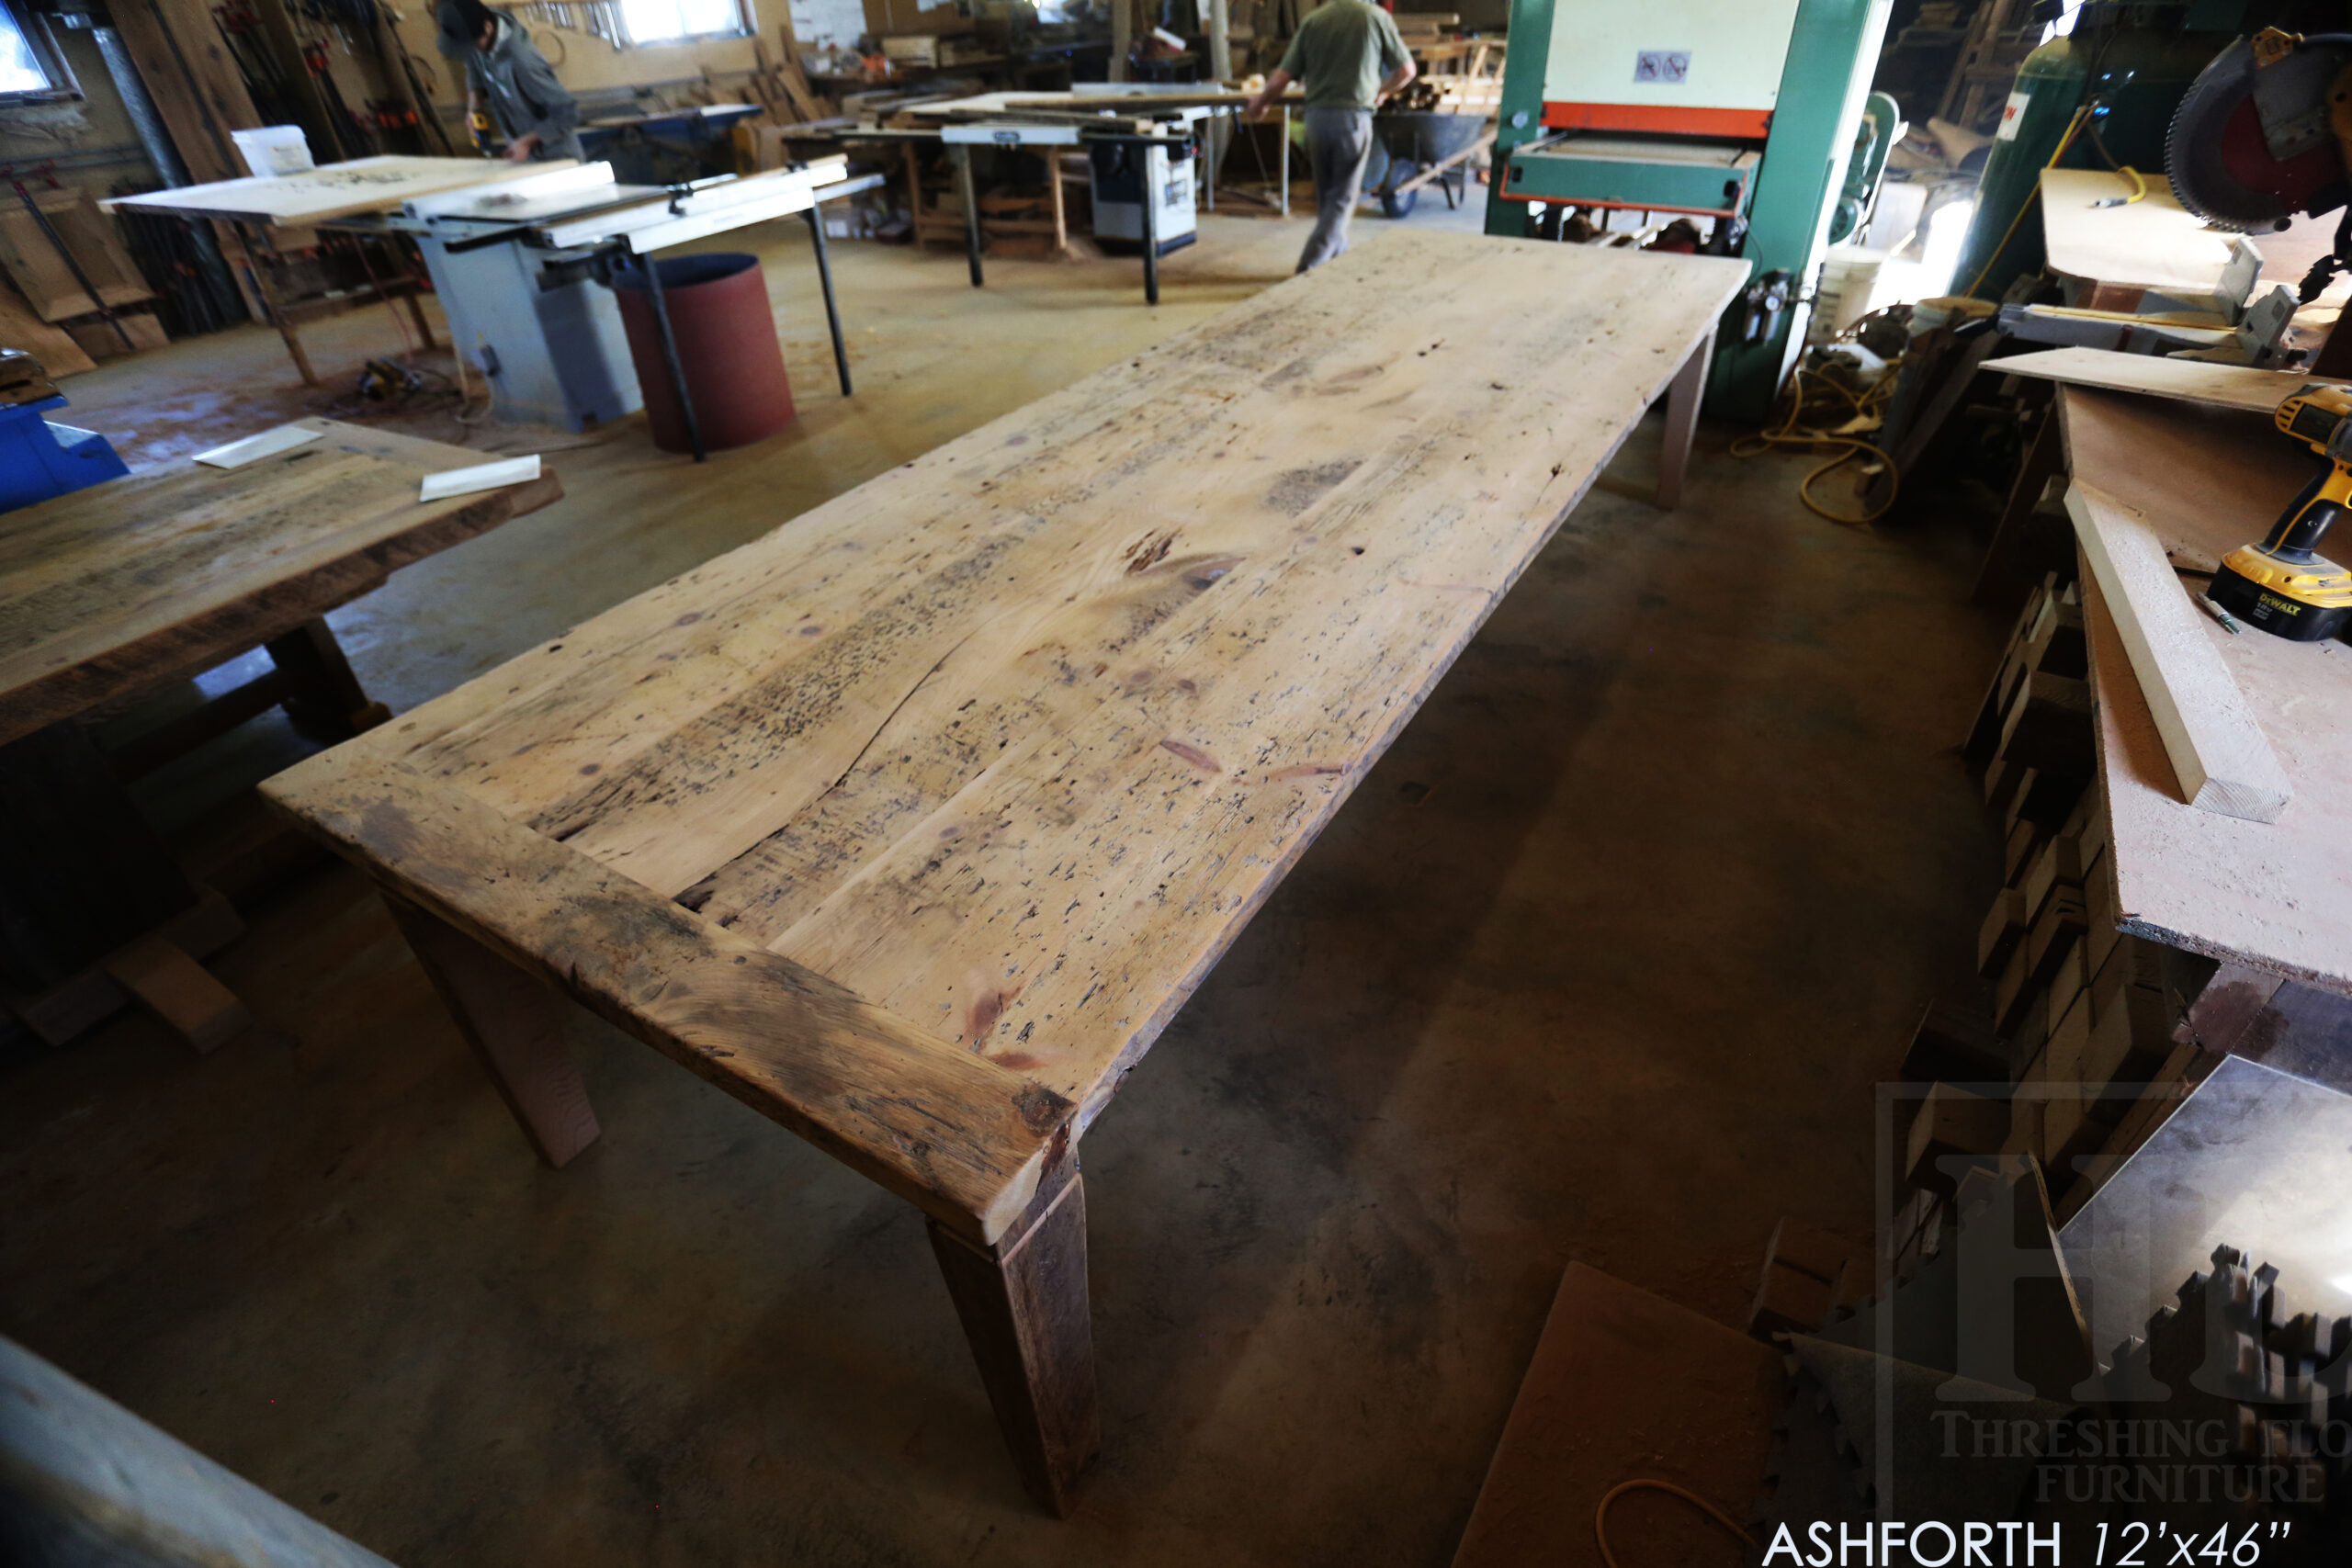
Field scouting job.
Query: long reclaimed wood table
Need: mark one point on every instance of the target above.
(126, 586)
(912, 823)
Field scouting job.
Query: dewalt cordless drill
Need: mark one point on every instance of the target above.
(2282, 584)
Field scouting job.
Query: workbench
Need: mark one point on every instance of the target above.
(111, 592)
(912, 823)
(521, 252)
(277, 206)
(2265, 898)
(1097, 97)
(671, 147)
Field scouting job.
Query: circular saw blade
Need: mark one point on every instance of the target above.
(2221, 163)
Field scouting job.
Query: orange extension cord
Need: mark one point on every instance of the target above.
(1600, 1515)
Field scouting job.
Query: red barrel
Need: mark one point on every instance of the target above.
(727, 348)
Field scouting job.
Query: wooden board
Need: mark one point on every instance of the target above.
(1086, 98)
(2151, 243)
(184, 60)
(98, 338)
(44, 276)
(333, 190)
(90, 1481)
(2220, 758)
(1011, 741)
(2276, 897)
(1625, 1385)
(2220, 386)
(21, 327)
(167, 573)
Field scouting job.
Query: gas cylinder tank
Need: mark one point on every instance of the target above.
(2131, 62)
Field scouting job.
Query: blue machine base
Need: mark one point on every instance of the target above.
(39, 460)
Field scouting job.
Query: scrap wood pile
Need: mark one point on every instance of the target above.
(779, 87)
(1449, 95)
(2083, 1017)
(69, 291)
(1458, 75)
(2082, 1044)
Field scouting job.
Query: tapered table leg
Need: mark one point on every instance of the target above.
(515, 1026)
(1023, 1306)
(1682, 422)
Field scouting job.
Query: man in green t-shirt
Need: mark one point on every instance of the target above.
(1348, 55)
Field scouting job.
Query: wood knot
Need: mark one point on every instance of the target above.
(1150, 551)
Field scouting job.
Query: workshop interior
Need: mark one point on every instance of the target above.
(1689, 661)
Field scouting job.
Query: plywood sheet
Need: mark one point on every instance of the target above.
(183, 58)
(1624, 1387)
(2153, 242)
(1012, 739)
(2274, 895)
(332, 190)
(166, 573)
(2190, 380)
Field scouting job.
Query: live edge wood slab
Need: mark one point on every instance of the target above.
(912, 823)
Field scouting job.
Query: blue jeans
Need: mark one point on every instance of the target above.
(1339, 144)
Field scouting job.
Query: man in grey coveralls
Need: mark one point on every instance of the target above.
(539, 118)
(1348, 55)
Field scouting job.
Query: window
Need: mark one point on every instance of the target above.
(29, 65)
(675, 21)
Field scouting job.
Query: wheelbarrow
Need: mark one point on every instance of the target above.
(1427, 144)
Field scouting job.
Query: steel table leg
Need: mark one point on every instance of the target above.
(825, 278)
(970, 186)
(1282, 161)
(670, 357)
(72, 266)
(1151, 230)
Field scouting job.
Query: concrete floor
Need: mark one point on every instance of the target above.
(1600, 963)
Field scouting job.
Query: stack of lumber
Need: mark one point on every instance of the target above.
(1452, 95)
(21, 328)
(1809, 1275)
(2080, 1038)
(49, 253)
(781, 86)
(1997, 42)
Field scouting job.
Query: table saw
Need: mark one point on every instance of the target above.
(523, 262)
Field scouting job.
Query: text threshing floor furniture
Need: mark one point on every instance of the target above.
(127, 586)
(912, 823)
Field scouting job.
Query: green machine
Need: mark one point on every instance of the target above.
(1741, 114)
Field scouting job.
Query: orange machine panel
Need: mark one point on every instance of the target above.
(1743, 123)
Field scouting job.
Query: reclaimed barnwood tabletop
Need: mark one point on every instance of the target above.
(914, 822)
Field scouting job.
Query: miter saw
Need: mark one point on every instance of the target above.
(2264, 133)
